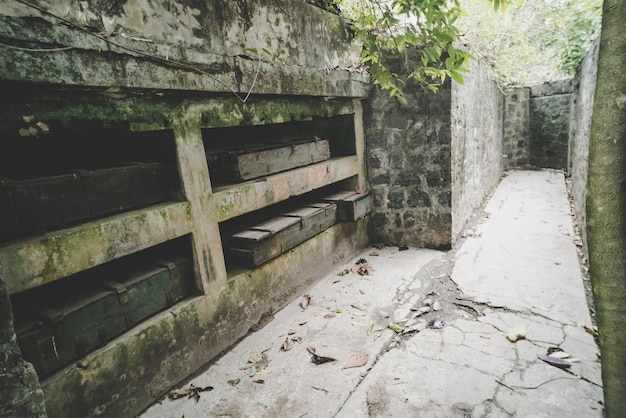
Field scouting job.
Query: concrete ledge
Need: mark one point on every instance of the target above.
(133, 371)
(45, 258)
(232, 201)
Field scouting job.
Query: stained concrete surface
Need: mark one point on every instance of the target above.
(517, 266)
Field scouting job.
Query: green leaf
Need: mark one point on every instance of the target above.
(456, 77)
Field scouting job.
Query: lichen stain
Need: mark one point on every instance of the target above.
(166, 21)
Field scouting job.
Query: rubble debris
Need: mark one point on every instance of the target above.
(436, 323)
(517, 333)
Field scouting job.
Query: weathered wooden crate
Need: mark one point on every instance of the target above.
(263, 242)
(83, 318)
(351, 206)
(155, 288)
(241, 165)
(71, 327)
(40, 204)
(32, 206)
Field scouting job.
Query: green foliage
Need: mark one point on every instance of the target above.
(391, 28)
(581, 25)
(534, 41)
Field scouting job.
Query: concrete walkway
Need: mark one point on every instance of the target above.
(517, 269)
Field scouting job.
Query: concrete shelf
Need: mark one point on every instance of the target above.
(235, 200)
(42, 259)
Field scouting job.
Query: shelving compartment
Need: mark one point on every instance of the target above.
(56, 183)
(239, 154)
(59, 323)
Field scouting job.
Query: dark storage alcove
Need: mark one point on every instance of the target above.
(59, 323)
(57, 181)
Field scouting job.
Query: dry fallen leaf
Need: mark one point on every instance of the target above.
(516, 333)
(306, 299)
(329, 315)
(559, 354)
(234, 382)
(395, 328)
(359, 307)
(287, 344)
(190, 392)
(356, 360)
(556, 362)
(259, 381)
(255, 357)
(320, 359)
(343, 272)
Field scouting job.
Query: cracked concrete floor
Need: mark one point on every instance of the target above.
(517, 267)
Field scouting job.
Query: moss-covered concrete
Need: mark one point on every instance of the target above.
(123, 377)
(58, 112)
(35, 261)
(236, 200)
(262, 47)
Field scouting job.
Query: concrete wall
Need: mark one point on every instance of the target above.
(408, 159)
(477, 138)
(267, 46)
(181, 67)
(549, 124)
(580, 125)
(516, 146)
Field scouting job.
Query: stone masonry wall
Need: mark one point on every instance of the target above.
(477, 136)
(408, 159)
(516, 127)
(549, 124)
(580, 126)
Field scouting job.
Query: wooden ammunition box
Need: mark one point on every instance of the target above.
(41, 204)
(84, 317)
(154, 183)
(263, 242)
(240, 165)
(71, 327)
(8, 220)
(111, 190)
(351, 206)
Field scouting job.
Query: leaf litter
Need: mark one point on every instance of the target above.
(191, 392)
(362, 267)
(356, 360)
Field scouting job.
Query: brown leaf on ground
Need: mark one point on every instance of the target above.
(259, 381)
(329, 315)
(306, 300)
(320, 359)
(356, 360)
(287, 344)
(234, 382)
(343, 272)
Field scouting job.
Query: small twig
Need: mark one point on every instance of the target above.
(322, 389)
